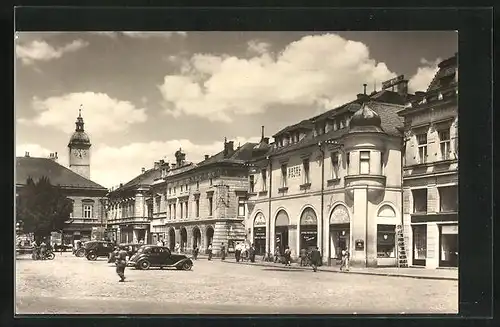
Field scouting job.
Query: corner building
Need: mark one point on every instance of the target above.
(204, 203)
(333, 181)
(430, 172)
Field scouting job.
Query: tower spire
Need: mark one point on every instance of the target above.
(79, 120)
(80, 111)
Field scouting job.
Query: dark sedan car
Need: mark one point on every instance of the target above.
(159, 256)
(95, 249)
(131, 249)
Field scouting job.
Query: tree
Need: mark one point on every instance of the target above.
(42, 207)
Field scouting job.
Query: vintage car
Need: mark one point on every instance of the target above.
(95, 249)
(159, 256)
(131, 249)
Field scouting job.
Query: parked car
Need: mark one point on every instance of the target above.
(131, 249)
(95, 249)
(158, 256)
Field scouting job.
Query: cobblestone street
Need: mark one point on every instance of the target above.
(69, 285)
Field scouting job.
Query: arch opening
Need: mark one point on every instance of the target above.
(183, 239)
(340, 235)
(196, 237)
(171, 239)
(259, 234)
(281, 231)
(308, 230)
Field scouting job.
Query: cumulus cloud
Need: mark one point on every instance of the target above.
(42, 51)
(101, 113)
(258, 46)
(322, 70)
(424, 75)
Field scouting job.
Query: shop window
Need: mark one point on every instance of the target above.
(448, 199)
(264, 179)
(422, 147)
(197, 207)
(386, 241)
(241, 208)
(419, 200)
(305, 167)
(419, 244)
(87, 210)
(444, 144)
(251, 183)
(283, 175)
(364, 162)
(448, 253)
(334, 157)
(210, 206)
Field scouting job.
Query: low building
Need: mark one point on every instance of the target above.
(197, 204)
(430, 172)
(89, 198)
(333, 181)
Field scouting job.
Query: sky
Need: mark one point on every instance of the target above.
(144, 95)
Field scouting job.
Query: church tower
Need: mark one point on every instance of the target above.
(79, 149)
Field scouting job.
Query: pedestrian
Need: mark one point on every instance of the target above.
(276, 254)
(43, 249)
(252, 253)
(195, 252)
(237, 252)
(177, 248)
(223, 252)
(345, 260)
(209, 250)
(288, 256)
(303, 257)
(315, 258)
(121, 263)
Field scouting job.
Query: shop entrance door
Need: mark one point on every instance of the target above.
(448, 254)
(282, 238)
(339, 240)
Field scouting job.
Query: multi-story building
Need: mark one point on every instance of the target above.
(89, 198)
(204, 203)
(333, 181)
(430, 178)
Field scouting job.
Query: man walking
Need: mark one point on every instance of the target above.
(121, 263)
(209, 250)
(237, 252)
(303, 257)
(276, 254)
(195, 252)
(315, 258)
(223, 252)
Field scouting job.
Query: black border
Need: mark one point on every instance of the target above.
(475, 110)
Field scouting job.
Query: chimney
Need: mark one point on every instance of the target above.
(26, 154)
(402, 88)
(262, 137)
(143, 170)
(207, 156)
(364, 88)
(162, 162)
(228, 149)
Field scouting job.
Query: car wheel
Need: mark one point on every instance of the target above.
(144, 264)
(80, 253)
(92, 256)
(51, 256)
(187, 266)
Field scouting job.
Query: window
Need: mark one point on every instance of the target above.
(348, 159)
(175, 210)
(181, 205)
(158, 202)
(72, 210)
(211, 181)
(382, 162)
(197, 207)
(444, 144)
(182, 187)
(175, 189)
(186, 211)
(169, 190)
(305, 166)
(283, 175)
(419, 200)
(386, 241)
(251, 183)
(263, 172)
(241, 208)
(422, 147)
(197, 185)
(170, 211)
(364, 162)
(334, 158)
(87, 210)
(448, 199)
(210, 206)
(335, 126)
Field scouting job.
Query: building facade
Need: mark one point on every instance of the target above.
(195, 205)
(430, 174)
(333, 181)
(88, 197)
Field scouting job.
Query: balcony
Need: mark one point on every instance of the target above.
(374, 183)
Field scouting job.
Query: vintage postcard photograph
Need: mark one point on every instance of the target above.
(189, 172)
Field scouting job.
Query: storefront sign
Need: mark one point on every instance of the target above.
(339, 215)
(309, 232)
(260, 220)
(259, 233)
(392, 82)
(294, 172)
(449, 229)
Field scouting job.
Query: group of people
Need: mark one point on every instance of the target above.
(244, 252)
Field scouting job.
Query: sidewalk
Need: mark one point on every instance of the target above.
(421, 273)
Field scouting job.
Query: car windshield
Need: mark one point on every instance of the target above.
(141, 250)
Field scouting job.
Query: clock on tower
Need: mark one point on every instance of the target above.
(79, 149)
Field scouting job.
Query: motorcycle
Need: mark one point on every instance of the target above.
(48, 255)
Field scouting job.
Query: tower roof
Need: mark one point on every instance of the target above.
(365, 120)
(79, 136)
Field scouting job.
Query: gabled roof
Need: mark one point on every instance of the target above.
(240, 155)
(57, 174)
(146, 178)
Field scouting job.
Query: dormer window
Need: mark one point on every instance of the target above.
(335, 127)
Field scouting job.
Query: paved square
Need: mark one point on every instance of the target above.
(70, 285)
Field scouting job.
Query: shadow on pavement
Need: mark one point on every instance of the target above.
(283, 269)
